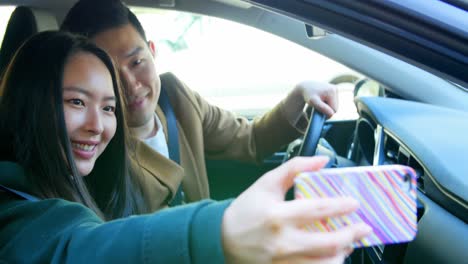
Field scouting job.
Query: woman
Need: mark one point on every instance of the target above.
(35, 136)
(63, 140)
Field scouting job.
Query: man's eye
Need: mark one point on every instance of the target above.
(137, 62)
(76, 102)
(109, 108)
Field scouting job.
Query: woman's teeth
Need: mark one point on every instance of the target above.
(84, 147)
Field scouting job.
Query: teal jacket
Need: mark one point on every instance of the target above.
(59, 231)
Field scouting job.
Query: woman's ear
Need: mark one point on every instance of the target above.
(152, 48)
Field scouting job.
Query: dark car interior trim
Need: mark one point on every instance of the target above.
(349, 19)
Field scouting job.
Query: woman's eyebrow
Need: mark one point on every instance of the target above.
(87, 93)
(77, 89)
(109, 98)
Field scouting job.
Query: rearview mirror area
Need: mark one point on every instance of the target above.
(314, 32)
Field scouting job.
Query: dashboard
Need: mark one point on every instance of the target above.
(433, 141)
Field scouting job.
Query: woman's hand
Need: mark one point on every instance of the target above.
(260, 227)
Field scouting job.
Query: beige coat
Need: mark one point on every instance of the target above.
(206, 131)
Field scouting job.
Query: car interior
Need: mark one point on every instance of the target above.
(406, 115)
(23, 23)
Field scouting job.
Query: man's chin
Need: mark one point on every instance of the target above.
(135, 121)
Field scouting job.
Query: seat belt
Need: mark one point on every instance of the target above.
(173, 138)
(19, 193)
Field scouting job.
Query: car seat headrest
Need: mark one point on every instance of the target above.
(24, 22)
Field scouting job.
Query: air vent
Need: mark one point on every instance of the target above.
(397, 154)
(365, 134)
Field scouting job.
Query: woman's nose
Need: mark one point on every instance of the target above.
(94, 121)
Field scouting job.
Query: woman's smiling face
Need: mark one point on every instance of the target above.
(89, 107)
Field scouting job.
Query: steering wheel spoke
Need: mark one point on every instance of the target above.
(312, 135)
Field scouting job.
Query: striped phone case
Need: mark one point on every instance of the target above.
(387, 196)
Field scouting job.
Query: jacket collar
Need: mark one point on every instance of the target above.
(163, 169)
(13, 176)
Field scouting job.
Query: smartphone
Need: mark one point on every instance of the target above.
(387, 197)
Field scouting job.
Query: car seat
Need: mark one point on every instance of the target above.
(24, 22)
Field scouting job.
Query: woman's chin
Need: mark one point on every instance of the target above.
(84, 168)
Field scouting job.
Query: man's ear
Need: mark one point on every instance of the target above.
(152, 48)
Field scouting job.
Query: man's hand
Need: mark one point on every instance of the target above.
(321, 96)
(260, 227)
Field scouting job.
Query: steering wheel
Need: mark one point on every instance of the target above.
(310, 141)
(312, 135)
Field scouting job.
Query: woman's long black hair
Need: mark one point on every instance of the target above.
(33, 131)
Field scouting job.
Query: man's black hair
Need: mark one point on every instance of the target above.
(90, 17)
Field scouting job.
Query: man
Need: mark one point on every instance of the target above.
(203, 129)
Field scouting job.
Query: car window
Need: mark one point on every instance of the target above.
(238, 67)
(5, 13)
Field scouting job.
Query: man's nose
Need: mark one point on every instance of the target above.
(94, 121)
(131, 83)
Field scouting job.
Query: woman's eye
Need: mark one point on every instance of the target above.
(76, 102)
(109, 108)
